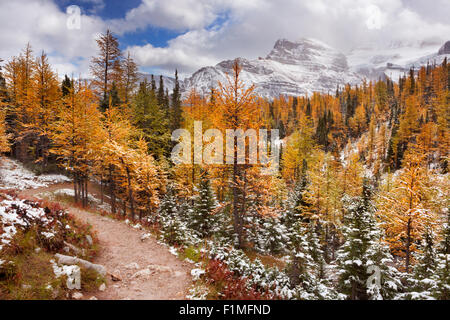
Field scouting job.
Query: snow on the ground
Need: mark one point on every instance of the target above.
(198, 293)
(13, 175)
(11, 219)
(64, 270)
(197, 273)
(70, 192)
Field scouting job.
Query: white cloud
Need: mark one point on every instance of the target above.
(186, 53)
(171, 14)
(43, 24)
(253, 28)
(214, 30)
(179, 14)
(375, 18)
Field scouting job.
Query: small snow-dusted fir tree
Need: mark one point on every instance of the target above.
(431, 277)
(174, 229)
(442, 291)
(265, 232)
(168, 206)
(423, 281)
(315, 250)
(445, 243)
(201, 218)
(427, 258)
(222, 228)
(306, 271)
(272, 237)
(365, 268)
(296, 201)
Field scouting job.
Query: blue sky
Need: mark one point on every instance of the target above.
(116, 9)
(164, 35)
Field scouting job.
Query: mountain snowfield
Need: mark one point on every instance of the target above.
(291, 68)
(396, 59)
(297, 68)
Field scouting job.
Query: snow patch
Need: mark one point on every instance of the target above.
(13, 175)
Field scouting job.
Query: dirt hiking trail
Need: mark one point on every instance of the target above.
(148, 271)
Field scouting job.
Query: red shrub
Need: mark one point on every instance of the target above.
(231, 287)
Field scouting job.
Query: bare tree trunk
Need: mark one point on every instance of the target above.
(130, 193)
(353, 295)
(112, 191)
(408, 244)
(327, 243)
(75, 188)
(80, 190)
(101, 188)
(44, 142)
(83, 192)
(236, 215)
(86, 190)
(193, 183)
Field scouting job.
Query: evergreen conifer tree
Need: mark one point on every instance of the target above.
(177, 116)
(306, 271)
(363, 261)
(151, 121)
(202, 219)
(66, 86)
(431, 277)
(442, 291)
(161, 93)
(296, 201)
(423, 282)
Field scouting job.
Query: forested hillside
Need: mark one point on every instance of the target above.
(358, 208)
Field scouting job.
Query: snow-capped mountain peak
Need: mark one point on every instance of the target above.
(304, 51)
(291, 68)
(304, 66)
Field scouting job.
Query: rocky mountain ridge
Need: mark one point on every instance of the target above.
(304, 66)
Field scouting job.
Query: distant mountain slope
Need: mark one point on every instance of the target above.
(291, 68)
(394, 60)
(304, 66)
(169, 82)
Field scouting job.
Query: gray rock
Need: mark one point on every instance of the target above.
(70, 247)
(77, 296)
(68, 260)
(132, 265)
(144, 273)
(89, 240)
(445, 49)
